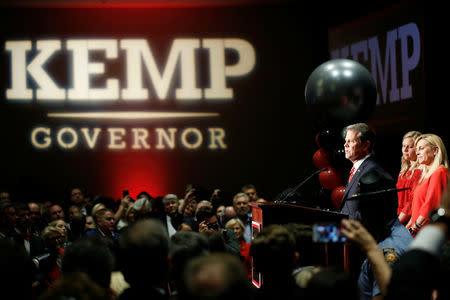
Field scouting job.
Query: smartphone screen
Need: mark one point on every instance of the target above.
(327, 233)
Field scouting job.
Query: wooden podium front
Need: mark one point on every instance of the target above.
(264, 214)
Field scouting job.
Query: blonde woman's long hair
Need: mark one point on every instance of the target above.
(407, 165)
(440, 159)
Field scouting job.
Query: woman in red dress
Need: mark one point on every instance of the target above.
(408, 177)
(237, 226)
(432, 156)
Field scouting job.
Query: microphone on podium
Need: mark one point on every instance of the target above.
(289, 192)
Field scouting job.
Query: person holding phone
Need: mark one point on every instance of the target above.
(208, 224)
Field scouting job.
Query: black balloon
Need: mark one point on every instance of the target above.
(328, 139)
(338, 159)
(340, 91)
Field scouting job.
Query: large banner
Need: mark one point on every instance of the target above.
(153, 98)
(390, 44)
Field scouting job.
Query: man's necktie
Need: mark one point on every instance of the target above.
(351, 174)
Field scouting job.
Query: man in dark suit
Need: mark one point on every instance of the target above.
(106, 227)
(359, 142)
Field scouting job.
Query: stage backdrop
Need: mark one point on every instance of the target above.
(154, 98)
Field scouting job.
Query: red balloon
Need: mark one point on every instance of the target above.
(336, 196)
(330, 178)
(321, 158)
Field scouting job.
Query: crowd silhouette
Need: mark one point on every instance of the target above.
(200, 245)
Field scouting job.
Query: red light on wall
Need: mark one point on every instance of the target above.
(135, 173)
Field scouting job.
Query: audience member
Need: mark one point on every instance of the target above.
(56, 212)
(185, 227)
(202, 203)
(142, 208)
(16, 275)
(243, 212)
(77, 198)
(184, 245)
(37, 223)
(218, 199)
(432, 157)
(188, 205)
(408, 176)
(61, 225)
(273, 252)
(91, 255)
(307, 253)
(32, 243)
(50, 266)
(220, 211)
(303, 276)
(75, 223)
(129, 217)
(90, 223)
(143, 251)
(105, 224)
(237, 226)
(118, 283)
(229, 214)
(172, 217)
(74, 211)
(7, 220)
(5, 196)
(250, 191)
(120, 213)
(97, 206)
(359, 144)
(77, 227)
(157, 207)
(331, 283)
(441, 291)
(217, 276)
(76, 285)
(219, 239)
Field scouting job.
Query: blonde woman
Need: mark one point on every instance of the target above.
(128, 219)
(97, 207)
(432, 157)
(237, 226)
(408, 176)
(61, 226)
(54, 242)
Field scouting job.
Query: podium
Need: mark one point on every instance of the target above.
(264, 214)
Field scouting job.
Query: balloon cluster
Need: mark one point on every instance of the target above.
(329, 155)
(337, 93)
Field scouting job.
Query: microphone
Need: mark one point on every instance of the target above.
(291, 191)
